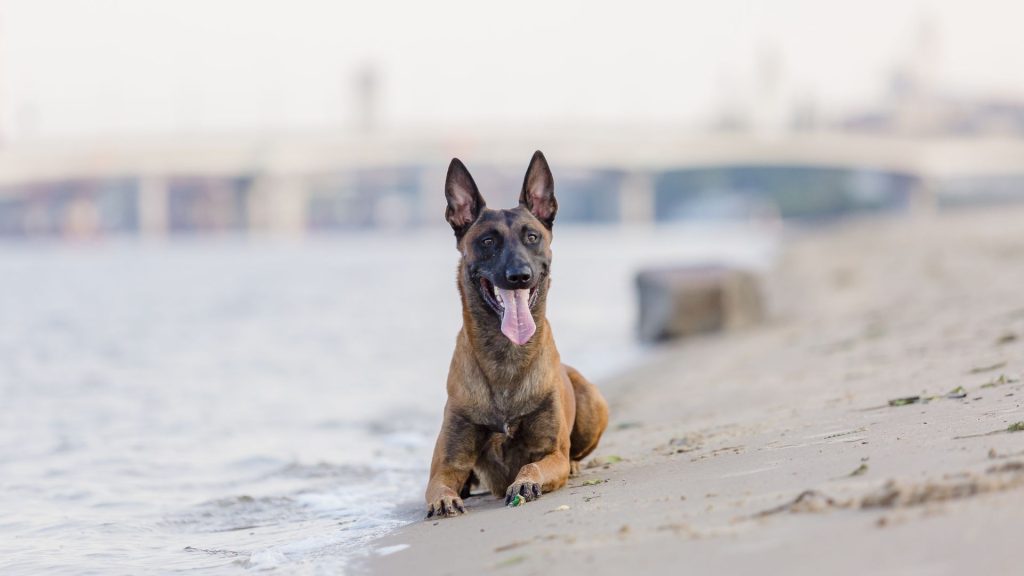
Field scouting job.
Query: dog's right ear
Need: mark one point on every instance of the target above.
(464, 200)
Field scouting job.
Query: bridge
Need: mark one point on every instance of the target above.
(274, 183)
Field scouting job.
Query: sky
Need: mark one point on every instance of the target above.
(94, 68)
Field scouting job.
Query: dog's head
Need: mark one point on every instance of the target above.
(506, 254)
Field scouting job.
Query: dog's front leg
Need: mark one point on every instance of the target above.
(547, 474)
(455, 453)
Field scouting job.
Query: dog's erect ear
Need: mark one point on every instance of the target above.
(464, 200)
(539, 190)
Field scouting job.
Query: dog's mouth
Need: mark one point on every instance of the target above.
(513, 307)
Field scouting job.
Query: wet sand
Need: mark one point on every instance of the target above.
(776, 450)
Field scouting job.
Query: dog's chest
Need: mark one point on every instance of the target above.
(506, 399)
(515, 415)
(506, 414)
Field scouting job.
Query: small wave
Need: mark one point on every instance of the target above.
(325, 470)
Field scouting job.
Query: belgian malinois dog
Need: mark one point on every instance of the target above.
(517, 419)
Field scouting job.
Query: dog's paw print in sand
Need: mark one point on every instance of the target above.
(525, 490)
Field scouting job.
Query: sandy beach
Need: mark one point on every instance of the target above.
(866, 428)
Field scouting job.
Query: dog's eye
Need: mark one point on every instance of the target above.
(487, 242)
(532, 237)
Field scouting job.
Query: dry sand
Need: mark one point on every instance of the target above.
(776, 451)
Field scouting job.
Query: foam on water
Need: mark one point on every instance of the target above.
(219, 406)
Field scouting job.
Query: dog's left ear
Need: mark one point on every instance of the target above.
(538, 194)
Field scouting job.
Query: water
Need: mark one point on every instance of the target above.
(232, 404)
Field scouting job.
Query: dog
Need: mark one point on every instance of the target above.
(516, 420)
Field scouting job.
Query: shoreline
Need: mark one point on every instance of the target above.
(756, 450)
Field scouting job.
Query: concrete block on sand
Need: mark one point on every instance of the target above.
(686, 300)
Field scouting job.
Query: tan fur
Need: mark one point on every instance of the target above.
(539, 448)
(517, 420)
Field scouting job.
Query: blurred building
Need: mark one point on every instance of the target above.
(628, 176)
(768, 154)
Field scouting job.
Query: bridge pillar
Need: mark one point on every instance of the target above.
(430, 197)
(82, 217)
(279, 204)
(923, 203)
(153, 206)
(636, 198)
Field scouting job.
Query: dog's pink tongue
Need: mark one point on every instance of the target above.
(517, 322)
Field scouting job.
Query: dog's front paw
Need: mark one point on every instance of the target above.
(445, 507)
(526, 489)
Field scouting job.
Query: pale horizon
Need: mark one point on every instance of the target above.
(71, 69)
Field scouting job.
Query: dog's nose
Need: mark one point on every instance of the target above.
(519, 276)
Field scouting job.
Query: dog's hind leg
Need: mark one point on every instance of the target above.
(471, 483)
(591, 418)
